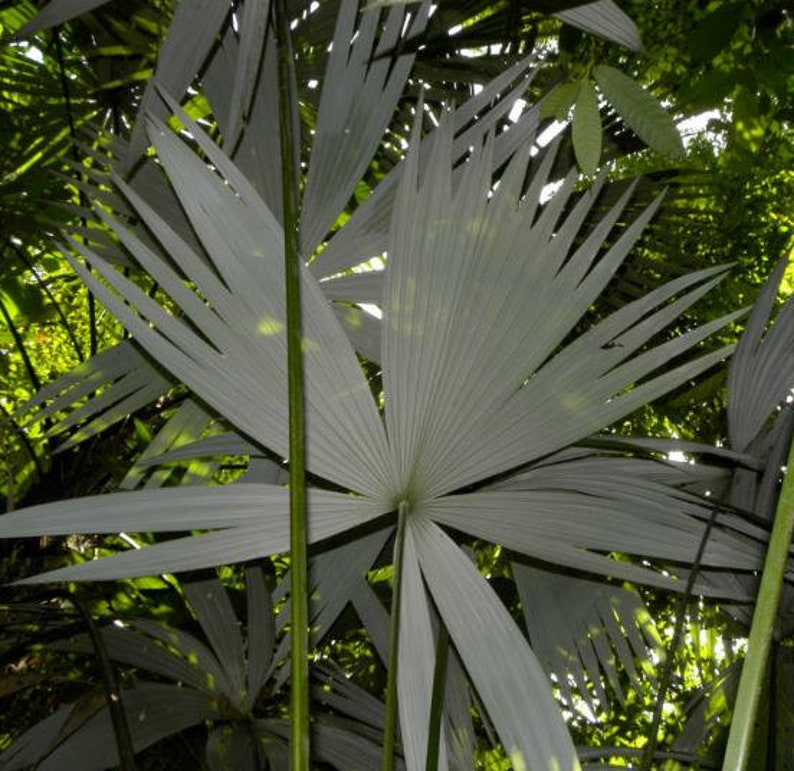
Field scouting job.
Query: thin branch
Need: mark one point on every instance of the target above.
(23, 437)
(23, 258)
(649, 751)
(118, 717)
(20, 343)
(92, 320)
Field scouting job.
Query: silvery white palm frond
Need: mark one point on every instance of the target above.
(762, 374)
(154, 710)
(363, 81)
(761, 425)
(481, 291)
(366, 234)
(188, 422)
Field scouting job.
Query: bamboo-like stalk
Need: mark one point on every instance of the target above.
(300, 749)
(740, 738)
(390, 728)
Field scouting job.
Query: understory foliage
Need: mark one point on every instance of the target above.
(496, 357)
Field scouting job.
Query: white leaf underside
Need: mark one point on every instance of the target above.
(188, 422)
(416, 665)
(477, 295)
(366, 234)
(606, 19)
(218, 621)
(762, 371)
(129, 381)
(191, 35)
(57, 12)
(359, 94)
(510, 681)
(253, 521)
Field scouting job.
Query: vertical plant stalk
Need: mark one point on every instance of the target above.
(44, 288)
(5, 417)
(300, 750)
(390, 728)
(118, 717)
(740, 738)
(437, 699)
(666, 677)
(20, 344)
(92, 319)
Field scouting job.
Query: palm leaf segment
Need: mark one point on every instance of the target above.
(482, 289)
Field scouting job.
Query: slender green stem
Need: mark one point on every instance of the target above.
(5, 417)
(118, 717)
(666, 677)
(766, 607)
(437, 700)
(44, 288)
(390, 729)
(92, 318)
(300, 750)
(20, 343)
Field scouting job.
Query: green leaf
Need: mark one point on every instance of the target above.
(587, 128)
(559, 102)
(715, 31)
(644, 115)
